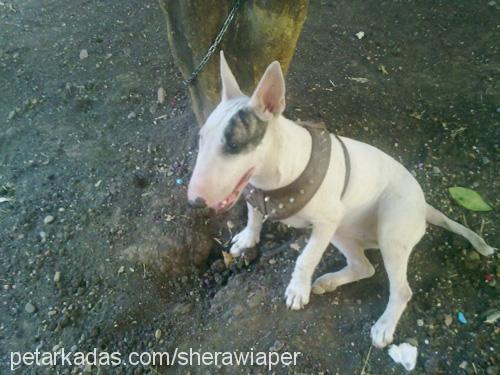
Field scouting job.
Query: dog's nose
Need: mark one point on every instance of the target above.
(198, 203)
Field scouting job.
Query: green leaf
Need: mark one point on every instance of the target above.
(469, 199)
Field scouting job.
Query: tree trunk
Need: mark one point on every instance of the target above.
(261, 32)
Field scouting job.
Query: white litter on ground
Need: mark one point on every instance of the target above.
(405, 354)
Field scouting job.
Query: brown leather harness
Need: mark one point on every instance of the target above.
(284, 202)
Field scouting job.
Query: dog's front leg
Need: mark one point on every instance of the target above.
(250, 236)
(298, 291)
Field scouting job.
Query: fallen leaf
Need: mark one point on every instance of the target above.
(469, 199)
(228, 259)
(382, 68)
(417, 115)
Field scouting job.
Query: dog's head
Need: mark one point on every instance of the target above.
(231, 140)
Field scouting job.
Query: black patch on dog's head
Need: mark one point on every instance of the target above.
(244, 132)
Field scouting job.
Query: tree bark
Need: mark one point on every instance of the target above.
(261, 32)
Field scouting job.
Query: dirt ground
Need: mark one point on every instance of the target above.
(79, 142)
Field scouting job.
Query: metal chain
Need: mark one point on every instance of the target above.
(215, 44)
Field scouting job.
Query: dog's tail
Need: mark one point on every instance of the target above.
(436, 217)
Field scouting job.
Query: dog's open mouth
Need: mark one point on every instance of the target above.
(231, 199)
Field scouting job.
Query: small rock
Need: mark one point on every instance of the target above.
(161, 95)
(360, 35)
(121, 270)
(237, 310)
(48, 219)
(277, 346)
(249, 255)
(473, 256)
(83, 54)
(420, 322)
(57, 277)
(131, 115)
(412, 341)
(432, 366)
(158, 334)
(43, 236)
(463, 365)
(448, 319)
(30, 308)
(218, 266)
(272, 261)
(436, 170)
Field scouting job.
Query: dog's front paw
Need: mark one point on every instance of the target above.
(245, 239)
(382, 333)
(297, 294)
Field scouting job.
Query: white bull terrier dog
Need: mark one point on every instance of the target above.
(247, 142)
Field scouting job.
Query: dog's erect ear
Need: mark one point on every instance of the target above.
(268, 99)
(230, 88)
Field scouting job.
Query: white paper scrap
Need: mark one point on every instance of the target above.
(405, 354)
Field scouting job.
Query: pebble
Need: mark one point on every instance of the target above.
(448, 319)
(272, 261)
(30, 308)
(121, 270)
(360, 35)
(412, 341)
(249, 255)
(432, 366)
(436, 170)
(473, 256)
(420, 322)
(237, 310)
(48, 219)
(158, 334)
(277, 346)
(161, 95)
(84, 54)
(43, 236)
(218, 266)
(57, 277)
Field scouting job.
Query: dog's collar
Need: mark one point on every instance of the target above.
(286, 201)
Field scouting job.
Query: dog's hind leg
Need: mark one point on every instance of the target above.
(358, 267)
(401, 224)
